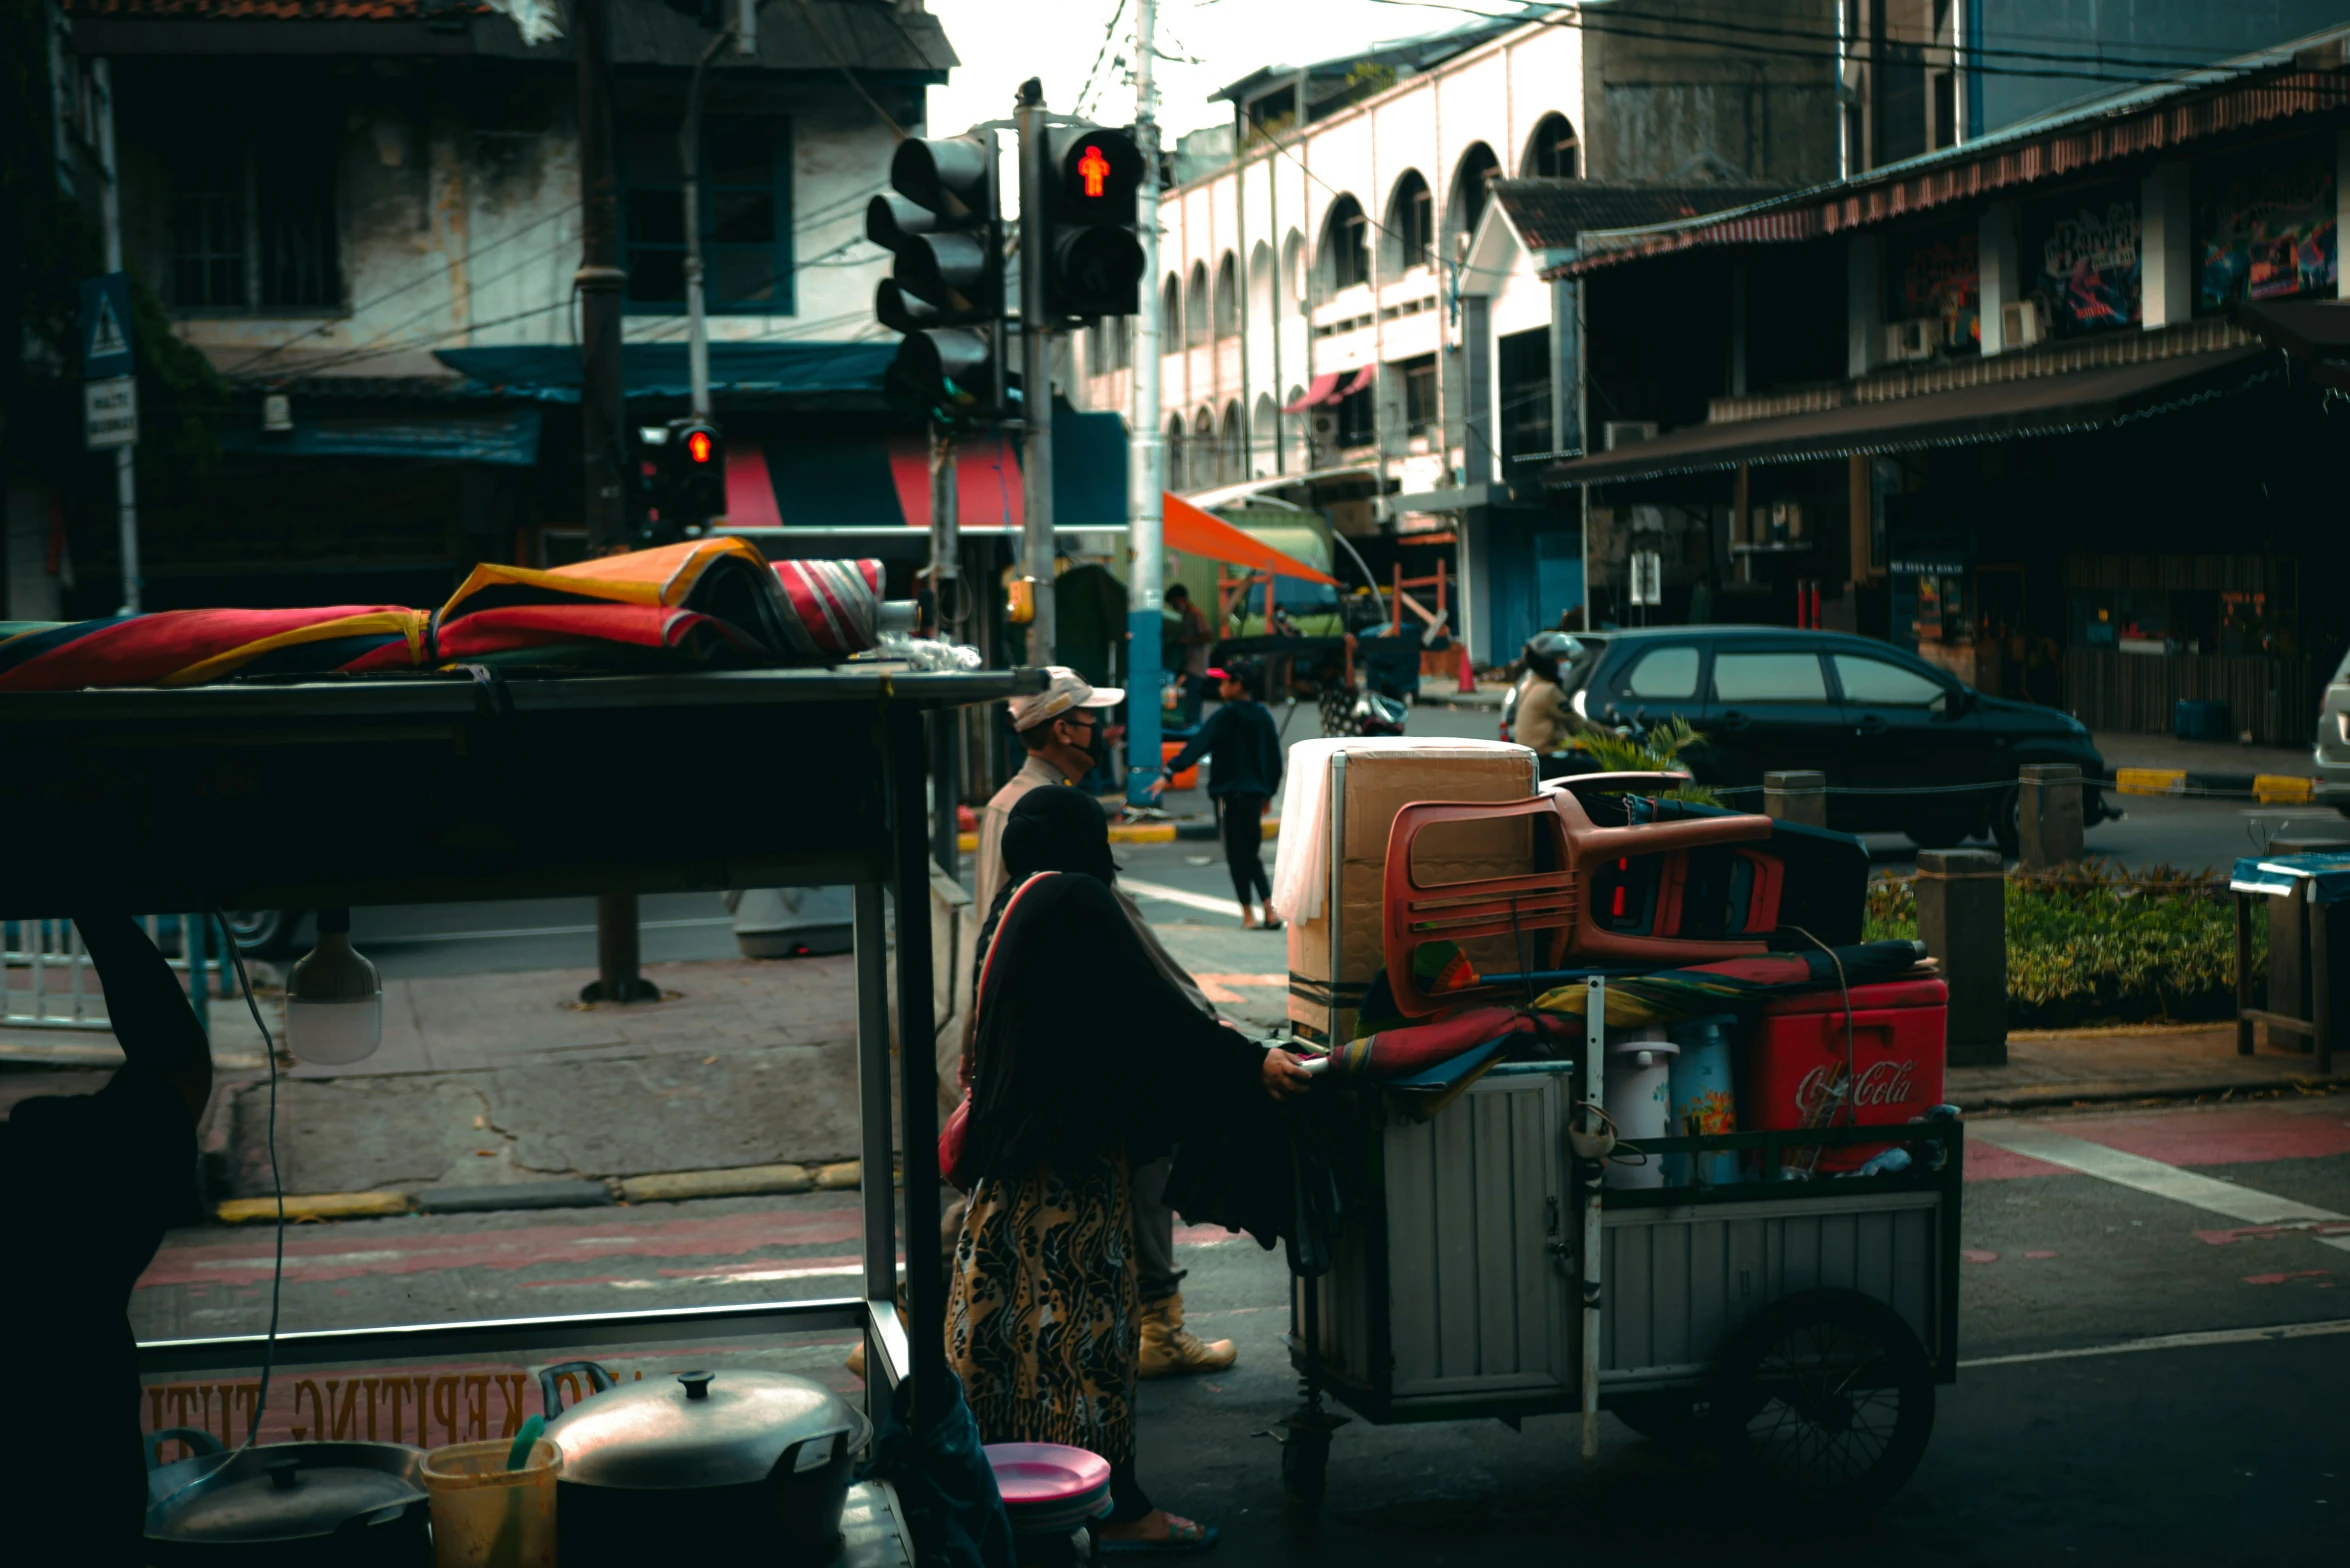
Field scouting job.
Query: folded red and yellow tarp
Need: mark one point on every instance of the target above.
(694, 602)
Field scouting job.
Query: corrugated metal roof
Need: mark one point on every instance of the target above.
(2250, 90)
(1553, 214)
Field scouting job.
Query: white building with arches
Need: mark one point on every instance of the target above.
(1311, 287)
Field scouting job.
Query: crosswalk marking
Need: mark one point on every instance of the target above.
(2135, 1171)
(2218, 1336)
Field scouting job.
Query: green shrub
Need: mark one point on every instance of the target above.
(2095, 944)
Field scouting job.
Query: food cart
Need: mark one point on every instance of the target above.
(1479, 1266)
(330, 792)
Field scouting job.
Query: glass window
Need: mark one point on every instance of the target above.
(1668, 672)
(745, 216)
(1769, 677)
(1875, 681)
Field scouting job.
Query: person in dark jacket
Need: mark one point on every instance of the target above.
(97, 1179)
(1244, 769)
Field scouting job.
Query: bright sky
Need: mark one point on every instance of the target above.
(1004, 42)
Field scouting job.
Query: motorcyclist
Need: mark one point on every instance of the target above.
(1540, 717)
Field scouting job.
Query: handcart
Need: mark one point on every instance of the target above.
(333, 792)
(1479, 1268)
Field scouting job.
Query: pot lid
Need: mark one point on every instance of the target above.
(291, 1491)
(702, 1429)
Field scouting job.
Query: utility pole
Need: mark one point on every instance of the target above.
(1036, 378)
(946, 516)
(126, 473)
(1146, 560)
(603, 507)
(689, 156)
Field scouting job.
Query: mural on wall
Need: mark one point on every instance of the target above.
(1939, 279)
(2085, 251)
(2268, 231)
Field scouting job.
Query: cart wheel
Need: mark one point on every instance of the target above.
(1305, 1466)
(1827, 1396)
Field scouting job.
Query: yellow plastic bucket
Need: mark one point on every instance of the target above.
(487, 1516)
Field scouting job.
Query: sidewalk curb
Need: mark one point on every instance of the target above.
(514, 1195)
(2108, 1091)
(742, 1181)
(314, 1206)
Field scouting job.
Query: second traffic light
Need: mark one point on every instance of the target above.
(1087, 183)
(688, 476)
(945, 290)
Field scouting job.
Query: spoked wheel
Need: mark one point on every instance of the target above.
(1826, 1397)
(1669, 1419)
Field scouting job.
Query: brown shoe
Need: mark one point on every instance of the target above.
(1170, 1350)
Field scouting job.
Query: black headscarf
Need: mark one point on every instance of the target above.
(1051, 828)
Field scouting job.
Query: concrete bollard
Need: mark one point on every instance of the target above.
(1962, 919)
(1800, 797)
(2048, 815)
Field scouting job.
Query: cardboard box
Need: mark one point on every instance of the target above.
(1379, 781)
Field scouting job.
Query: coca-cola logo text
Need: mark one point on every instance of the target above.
(1880, 1084)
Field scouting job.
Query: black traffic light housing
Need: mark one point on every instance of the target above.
(686, 464)
(1092, 260)
(945, 292)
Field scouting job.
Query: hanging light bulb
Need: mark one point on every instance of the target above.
(334, 998)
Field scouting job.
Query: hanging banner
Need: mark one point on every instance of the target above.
(2081, 258)
(2268, 231)
(1939, 279)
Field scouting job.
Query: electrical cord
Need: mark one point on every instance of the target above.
(1843, 1091)
(277, 1274)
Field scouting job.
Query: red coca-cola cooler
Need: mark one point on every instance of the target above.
(1798, 1058)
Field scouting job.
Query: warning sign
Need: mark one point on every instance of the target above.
(110, 412)
(106, 326)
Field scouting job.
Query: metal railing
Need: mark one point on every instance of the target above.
(48, 982)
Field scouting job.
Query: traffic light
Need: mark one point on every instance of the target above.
(687, 475)
(1092, 260)
(945, 290)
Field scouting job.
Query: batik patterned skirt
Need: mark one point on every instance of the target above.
(1043, 1315)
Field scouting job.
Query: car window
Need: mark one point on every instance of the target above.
(1889, 685)
(1663, 673)
(1769, 677)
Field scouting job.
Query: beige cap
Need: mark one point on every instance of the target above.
(1066, 690)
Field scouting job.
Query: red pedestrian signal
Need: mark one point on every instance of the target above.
(698, 446)
(1094, 170)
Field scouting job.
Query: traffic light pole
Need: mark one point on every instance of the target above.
(603, 509)
(1145, 559)
(946, 507)
(689, 155)
(1036, 386)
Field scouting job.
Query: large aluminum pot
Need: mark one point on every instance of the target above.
(336, 1505)
(714, 1463)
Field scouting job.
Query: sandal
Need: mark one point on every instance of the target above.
(1183, 1536)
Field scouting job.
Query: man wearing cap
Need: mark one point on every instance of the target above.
(1061, 727)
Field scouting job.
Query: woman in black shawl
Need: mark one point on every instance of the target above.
(1085, 1063)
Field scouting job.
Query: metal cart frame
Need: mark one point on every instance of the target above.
(335, 792)
(1483, 1269)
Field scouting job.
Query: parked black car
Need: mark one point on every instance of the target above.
(1868, 715)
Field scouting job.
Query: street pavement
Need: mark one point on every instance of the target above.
(2148, 1376)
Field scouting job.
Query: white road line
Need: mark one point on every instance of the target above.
(1175, 895)
(2217, 1336)
(751, 1276)
(2144, 1175)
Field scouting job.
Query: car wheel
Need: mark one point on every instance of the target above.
(1939, 835)
(2007, 827)
(266, 932)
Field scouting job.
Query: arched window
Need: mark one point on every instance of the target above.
(1552, 152)
(1472, 188)
(1232, 453)
(1171, 316)
(1346, 245)
(1203, 450)
(1227, 296)
(1262, 307)
(1410, 240)
(1293, 271)
(1195, 306)
(1178, 475)
(1297, 433)
(1264, 437)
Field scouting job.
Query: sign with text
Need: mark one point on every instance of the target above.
(106, 326)
(110, 412)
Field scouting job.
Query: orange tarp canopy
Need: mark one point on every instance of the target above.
(1194, 532)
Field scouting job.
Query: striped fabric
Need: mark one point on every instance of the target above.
(701, 601)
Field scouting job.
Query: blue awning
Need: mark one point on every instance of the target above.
(2326, 876)
(508, 437)
(550, 372)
